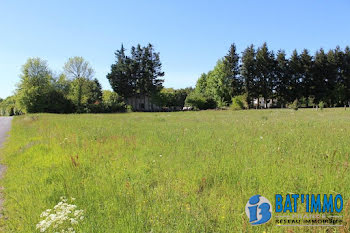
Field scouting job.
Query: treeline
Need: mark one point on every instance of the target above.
(302, 79)
(73, 91)
(238, 81)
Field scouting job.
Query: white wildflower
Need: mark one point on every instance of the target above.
(261, 137)
(73, 221)
(61, 218)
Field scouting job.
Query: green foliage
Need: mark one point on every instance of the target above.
(85, 93)
(171, 98)
(223, 81)
(218, 84)
(57, 103)
(231, 67)
(77, 67)
(239, 102)
(170, 172)
(73, 91)
(138, 74)
(265, 71)
(321, 105)
(303, 102)
(248, 71)
(35, 86)
(129, 108)
(311, 101)
(200, 101)
(295, 105)
(221, 104)
(112, 102)
(322, 77)
(9, 107)
(201, 84)
(282, 81)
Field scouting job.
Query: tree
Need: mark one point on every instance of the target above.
(219, 85)
(139, 74)
(320, 79)
(81, 89)
(295, 77)
(265, 73)
(201, 84)
(35, 86)
(151, 71)
(336, 86)
(223, 81)
(123, 74)
(181, 95)
(85, 94)
(62, 84)
(282, 78)
(248, 73)
(306, 69)
(345, 70)
(77, 67)
(231, 69)
(96, 91)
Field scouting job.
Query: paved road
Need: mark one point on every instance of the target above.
(5, 125)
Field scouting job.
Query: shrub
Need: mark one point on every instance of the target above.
(129, 108)
(112, 102)
(295, 105)
(311, 102)
(321, 105)
(222, 103)
(57, 103)
(199, 101)
(170, 98)
(239, 102)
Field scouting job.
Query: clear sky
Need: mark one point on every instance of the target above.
(190, 35)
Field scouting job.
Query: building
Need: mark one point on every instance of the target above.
(260, 103)
(142, 103)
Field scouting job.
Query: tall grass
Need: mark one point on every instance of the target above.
(172, 172)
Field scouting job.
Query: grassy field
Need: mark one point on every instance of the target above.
(173, 172)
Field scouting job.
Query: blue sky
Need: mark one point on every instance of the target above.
(190, 35)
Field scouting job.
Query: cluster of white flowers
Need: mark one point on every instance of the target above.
(62, 218)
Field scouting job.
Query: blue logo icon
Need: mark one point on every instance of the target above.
(258, 210)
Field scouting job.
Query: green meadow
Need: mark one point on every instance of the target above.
(173, 172)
